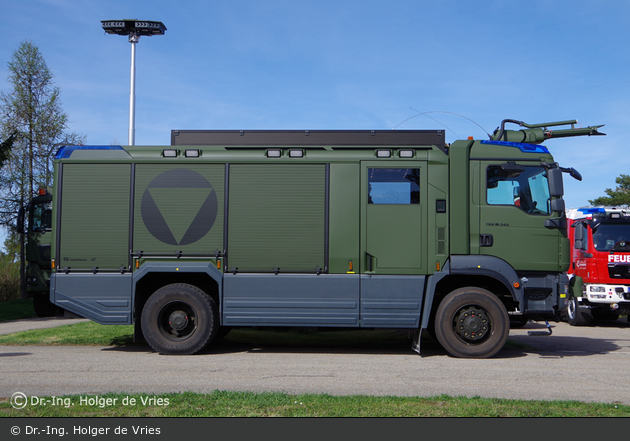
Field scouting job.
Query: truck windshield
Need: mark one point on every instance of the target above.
(527, 190)
(41, 216)
(612, 237)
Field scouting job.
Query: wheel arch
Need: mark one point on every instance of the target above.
(486, 272)
(154, 275)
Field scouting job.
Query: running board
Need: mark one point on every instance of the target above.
(547, 332)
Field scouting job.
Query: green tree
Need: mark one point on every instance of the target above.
(5, 149)
(619, 196)
(31, 112)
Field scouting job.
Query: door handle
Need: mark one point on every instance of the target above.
(486, 240)
(370, 263)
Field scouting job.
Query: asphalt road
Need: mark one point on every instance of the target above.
(586, 364)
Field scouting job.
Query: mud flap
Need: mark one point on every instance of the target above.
(415, 345)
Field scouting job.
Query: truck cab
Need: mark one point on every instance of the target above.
(38, 218)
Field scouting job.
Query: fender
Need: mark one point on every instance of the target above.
(178, 267)
(489, 266)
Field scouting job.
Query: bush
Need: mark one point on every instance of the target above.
(9, 279)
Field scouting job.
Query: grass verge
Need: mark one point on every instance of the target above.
(16, 310)
(272, 404)
(83, 333)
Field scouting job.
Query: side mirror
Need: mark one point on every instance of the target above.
(556, 187)
(557, 205)
(572, 172)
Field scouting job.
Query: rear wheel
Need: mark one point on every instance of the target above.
(179, 319)
(42, 305)
(472, 323)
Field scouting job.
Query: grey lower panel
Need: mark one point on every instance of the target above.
(104, 298)
(391, 301)
(290, 300)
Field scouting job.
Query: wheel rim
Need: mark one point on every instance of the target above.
(473, 324)
(177, 321)
(571, 310)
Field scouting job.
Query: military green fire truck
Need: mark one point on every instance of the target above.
(369, 229)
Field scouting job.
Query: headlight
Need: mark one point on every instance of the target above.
(597, 288)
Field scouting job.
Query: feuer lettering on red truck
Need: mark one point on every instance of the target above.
(619, 258)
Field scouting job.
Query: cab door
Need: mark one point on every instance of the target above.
(513, 206)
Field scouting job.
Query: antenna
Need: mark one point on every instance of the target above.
(442, 111)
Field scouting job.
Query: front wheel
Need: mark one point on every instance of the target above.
(179, 319)
(577, 316)
(472, 323)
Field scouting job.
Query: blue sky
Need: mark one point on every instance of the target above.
(282, 64)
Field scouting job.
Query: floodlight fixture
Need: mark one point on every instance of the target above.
(134, 29)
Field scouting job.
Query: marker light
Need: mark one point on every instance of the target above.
(274, 153)
(405, 153)
(191, 153)
(169, 153)
(383, 153)
(296, 153)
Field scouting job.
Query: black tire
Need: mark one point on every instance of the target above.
(42, 305)
(577, 316)
(472, 323)
(179, 319)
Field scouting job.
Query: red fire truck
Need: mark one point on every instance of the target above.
(600, 264)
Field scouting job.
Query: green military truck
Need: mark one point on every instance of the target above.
(35, 221)
(363, 229)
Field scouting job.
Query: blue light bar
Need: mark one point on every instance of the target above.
(592, 210)
(523, 147)
(65, 151)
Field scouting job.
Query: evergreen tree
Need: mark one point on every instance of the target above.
(31, 113)
(619, 196)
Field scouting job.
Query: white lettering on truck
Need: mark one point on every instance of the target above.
(619, 258)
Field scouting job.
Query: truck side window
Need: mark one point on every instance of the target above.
(527, 190)
(394, 186)
(42, 217)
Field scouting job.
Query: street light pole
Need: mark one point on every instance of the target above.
(134, 29)
(133, 39)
